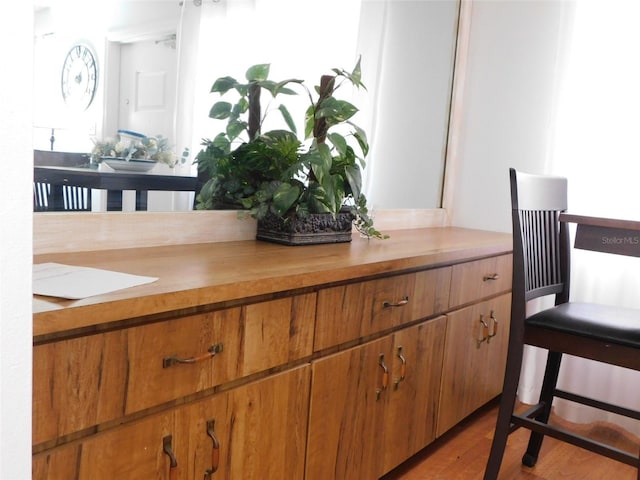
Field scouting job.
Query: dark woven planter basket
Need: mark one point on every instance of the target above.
(314, 229)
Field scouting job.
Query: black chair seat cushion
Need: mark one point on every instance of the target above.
(601, 322)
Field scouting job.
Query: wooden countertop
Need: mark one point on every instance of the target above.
(191, 276)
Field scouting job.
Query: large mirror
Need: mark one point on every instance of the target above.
(156, 60)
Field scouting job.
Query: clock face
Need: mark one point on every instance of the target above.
(79, 77)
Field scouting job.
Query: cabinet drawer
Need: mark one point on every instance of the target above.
(356, 310)
(226, 345)
(85, 381)
(480, 279)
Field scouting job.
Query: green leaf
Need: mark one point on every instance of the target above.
(280, 86)
(336, 111)
(288, 119)
(354, 177)
(318, 200)
(239, 108)
(258, 73)
(356, 75)
(223, 84)
(222, 142)
(361, 136)
(242, 89)
(309, 121)
(338, 142)
(321, 160)
(235, 128)
(268, 85)
(284, 198)
(220, 110)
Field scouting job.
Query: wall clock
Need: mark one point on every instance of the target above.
(79, 77)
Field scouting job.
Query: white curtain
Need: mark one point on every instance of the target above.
(596, 147)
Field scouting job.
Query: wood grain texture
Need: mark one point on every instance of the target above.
(253, 446)
(78, 383)
(472, 372)
(210, 273)
(346, 416)
(422, 348)
(82, 382)
(348, 312)
(480, 279)
(261, 428)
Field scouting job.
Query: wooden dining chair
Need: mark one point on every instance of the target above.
(61, 198)
(609, 334)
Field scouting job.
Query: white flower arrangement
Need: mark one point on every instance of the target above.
(147, 148)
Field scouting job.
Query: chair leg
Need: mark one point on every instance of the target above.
(505, 411)
(546, 397)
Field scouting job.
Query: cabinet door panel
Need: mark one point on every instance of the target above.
(346, 414)
(473, 368)
(259, 429)
(412, 403)
(131, 451)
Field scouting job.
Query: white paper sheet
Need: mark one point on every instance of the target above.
(66, 281)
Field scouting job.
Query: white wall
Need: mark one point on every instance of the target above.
(16, 35)
(512, 76)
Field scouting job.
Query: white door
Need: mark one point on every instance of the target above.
(148, 71)
(148, 88)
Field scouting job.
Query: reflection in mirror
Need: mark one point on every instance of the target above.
(407, 49)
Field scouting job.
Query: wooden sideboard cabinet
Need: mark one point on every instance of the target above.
(248, 360)
(476, 340)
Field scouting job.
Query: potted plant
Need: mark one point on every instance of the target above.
(300, 192)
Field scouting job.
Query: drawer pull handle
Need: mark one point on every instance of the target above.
(173, 463)
(215, 451)
(211, 352)
(401, 303)
(485, 332)
(403, 368)
(492, 276)
(494, 322)
(385, 376)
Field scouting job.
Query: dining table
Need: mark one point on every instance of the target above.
(608, 235)
(114, 182)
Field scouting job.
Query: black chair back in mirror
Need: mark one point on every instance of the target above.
(71, 197)
(609, 334)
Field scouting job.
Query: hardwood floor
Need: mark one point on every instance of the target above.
(461, 454)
